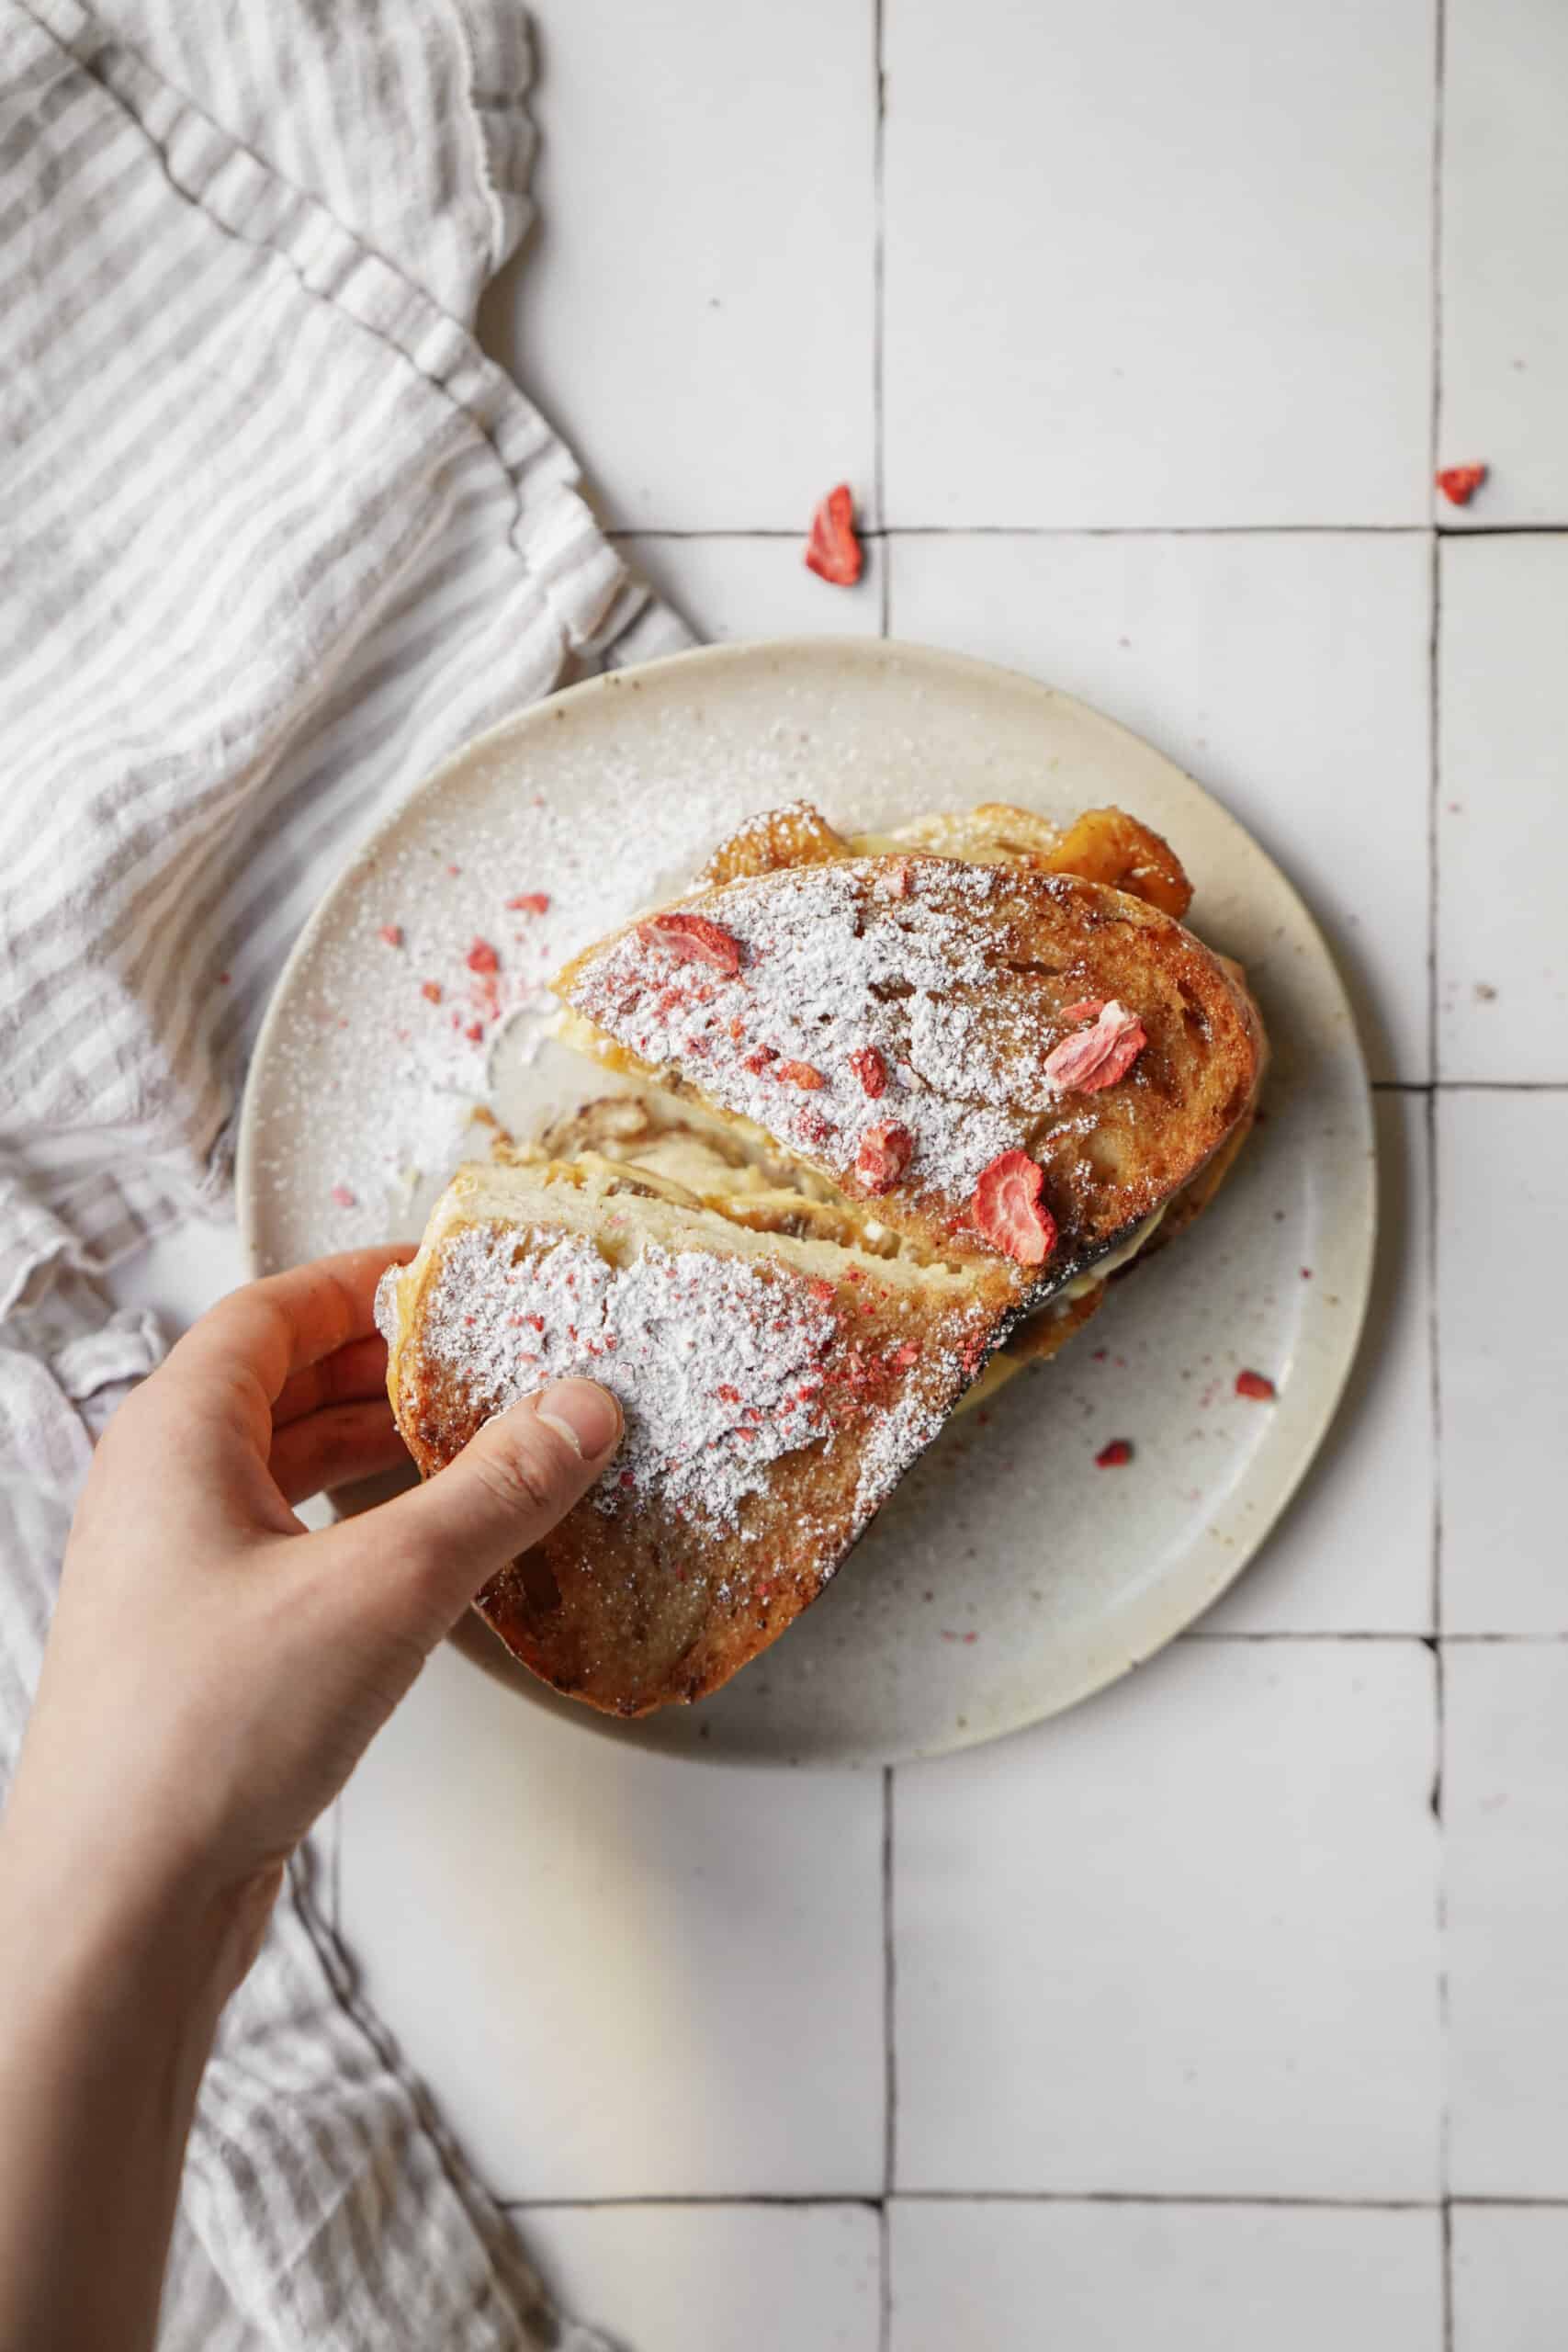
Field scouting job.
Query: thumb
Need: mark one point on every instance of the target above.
(509, 1486)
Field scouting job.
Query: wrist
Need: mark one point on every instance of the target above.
(106, 1941)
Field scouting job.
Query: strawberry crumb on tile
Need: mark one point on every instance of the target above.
(344, 1198)
(482, 957)
(832, 549)
(1113, 1456)
(1459, 484)
(431, 991)
(530, 902)
(1256, 1384)
(392, 934)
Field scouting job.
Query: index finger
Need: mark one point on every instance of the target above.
(286, 1322)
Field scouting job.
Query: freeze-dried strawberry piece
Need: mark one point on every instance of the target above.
(1088, 1008)
(530, 902)
(824, 1292)
(799, 1074)
(474, 1032)
(757, 1060)
(832, 550)
(1256, 1384)
(1096, 1057)
(431, 991)
(907, 1352)
(393, 933)
(482, 957)
(343, 1197)
(694, 938)
(1459, 484)
(1008, 1210)
(871, 1070)
(1111, 1456)
(886, 1150)
(895, 880)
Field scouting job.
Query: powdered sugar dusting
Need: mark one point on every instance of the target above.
(719, 1366)
(837, 966)
(898, 1435)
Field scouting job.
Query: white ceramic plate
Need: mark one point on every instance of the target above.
(1008, 1576)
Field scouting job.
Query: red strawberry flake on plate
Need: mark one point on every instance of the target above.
(482, 957)
(530, 902)
(799, 1074)
(431, 991)
(886, 1150)
(696, 939)
(343, 1197)
(1256, 1384)
(832, 550)
(1096, 1057)
(871, 1070)
(1459, 484)
(1111, 1456)
(1008, 1210)
(393, 933)
(475, 1032)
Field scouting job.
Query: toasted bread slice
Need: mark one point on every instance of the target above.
(775, 1390)
(819, 1006)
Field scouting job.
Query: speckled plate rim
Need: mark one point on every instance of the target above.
(1316, 1388)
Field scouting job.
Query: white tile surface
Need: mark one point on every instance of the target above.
(1152, 266)
(1181, 1941)
(1505, 1806)
(1503, 809)
(1503, 1338)
(622, 1977)
(756, 587)
(696, 308)
(1504, 365)
(1290, 673)
(1353, 1553)
(1510, 2278)
(712, 2278)
(1120, 2278)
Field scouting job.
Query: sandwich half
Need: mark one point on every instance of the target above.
(775, 1390)
(996, 1062)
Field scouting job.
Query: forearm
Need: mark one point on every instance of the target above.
(107, 2016)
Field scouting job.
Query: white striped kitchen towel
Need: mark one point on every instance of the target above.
(274, 538)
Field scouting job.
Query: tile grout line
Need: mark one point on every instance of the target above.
(806, 2200)
(868, 531)
(1470, 1085)
(879, 300)
(1434, 1063)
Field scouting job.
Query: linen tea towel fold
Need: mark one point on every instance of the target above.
(275, 538)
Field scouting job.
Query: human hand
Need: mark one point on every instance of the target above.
(215, 1671)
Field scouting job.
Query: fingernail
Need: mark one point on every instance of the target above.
(586, 1415)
